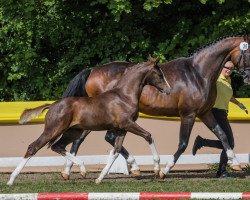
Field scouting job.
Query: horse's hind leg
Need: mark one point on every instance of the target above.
(74, 149)
(17, 171)
(209, 120)
(185, 131)
(110, 137)
(31, 151)
(137, 130)
(68, 137)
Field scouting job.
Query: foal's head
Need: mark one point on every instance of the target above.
(156, 78)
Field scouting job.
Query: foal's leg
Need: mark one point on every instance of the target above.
(45, 137)
(137, 130)
(110, 137)
(185, 131)
(209, 120)
(68, 137)
(114, 153)
(74, 149)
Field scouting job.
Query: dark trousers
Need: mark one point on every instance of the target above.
(221, 117)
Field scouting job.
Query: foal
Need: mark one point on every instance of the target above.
(116, 109)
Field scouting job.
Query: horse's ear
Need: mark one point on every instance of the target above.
(246, 39)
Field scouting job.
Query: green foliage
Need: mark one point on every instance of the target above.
(45, 43)
(244, 91)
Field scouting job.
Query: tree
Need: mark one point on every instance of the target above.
(45, 43)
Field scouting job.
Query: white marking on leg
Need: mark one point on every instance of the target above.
(17, 171)
(232, 158)
(68, 165)
(156, 156)
(112, 157)
(77, 161)
(131, 161)
(169, 165)
(230, 154)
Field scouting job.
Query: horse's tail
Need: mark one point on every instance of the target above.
(29, 114)
(76, 87)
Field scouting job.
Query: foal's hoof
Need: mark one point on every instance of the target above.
(83, 174)
(9, 183)
(236, 167)
(98, 181)
(162, 175)
(136, 172)
(156, 171)
(65, 176)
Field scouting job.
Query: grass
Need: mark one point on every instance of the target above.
(175, 182)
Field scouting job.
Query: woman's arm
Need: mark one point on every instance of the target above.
(235, 101)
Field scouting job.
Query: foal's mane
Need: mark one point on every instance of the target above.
(112, 62)
(212, 43)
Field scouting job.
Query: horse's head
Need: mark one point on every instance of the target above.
(240, 56)
(156, 78)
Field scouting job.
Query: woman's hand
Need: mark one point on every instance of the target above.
(243, 107)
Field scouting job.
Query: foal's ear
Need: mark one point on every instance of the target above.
(151, 59)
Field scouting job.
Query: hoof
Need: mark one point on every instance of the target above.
(162, 175)
(65, 176)
(156, 171)
(236, 167)
(97, 181)
(83, 174)
(9, 183)
(136, 172)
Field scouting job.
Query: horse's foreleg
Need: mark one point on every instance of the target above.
(137, 130)
(74, 149)
(110, 137)
(209, 120)
(185, 131)
(114, 153)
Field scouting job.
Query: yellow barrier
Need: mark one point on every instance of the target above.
(11, 111)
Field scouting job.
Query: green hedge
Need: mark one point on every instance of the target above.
(45, 43)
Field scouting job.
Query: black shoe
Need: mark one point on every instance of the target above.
(223, 174)
(197, 144)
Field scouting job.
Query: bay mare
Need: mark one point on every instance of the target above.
(115, 109)
(193, 82)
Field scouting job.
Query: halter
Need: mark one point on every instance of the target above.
(243, 51)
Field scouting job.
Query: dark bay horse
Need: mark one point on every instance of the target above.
(116, 109)
(193, 82)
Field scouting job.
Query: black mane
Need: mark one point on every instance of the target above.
(212, 43)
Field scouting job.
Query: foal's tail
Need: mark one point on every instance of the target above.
(76, 87)
(29, 114)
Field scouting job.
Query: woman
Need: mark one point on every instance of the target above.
(220, 110)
